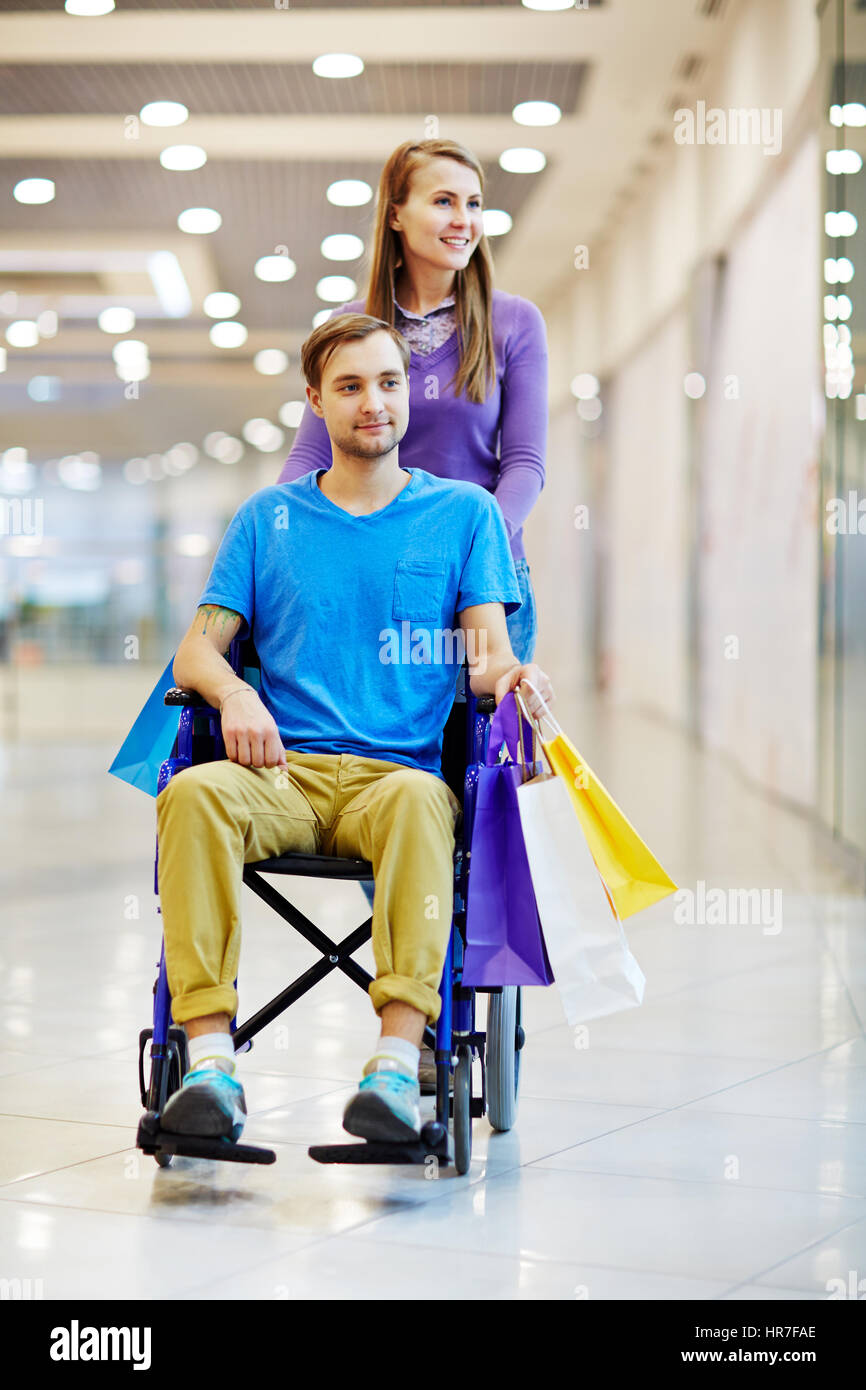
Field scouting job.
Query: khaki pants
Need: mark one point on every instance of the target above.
(215, 817)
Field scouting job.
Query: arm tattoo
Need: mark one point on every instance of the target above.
(216, 617)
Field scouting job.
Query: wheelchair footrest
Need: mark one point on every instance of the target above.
(151, 1139)
(432, 1143)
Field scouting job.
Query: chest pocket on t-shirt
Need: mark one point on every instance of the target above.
(419, 588)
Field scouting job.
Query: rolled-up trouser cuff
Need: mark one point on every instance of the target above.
(220, 999)
(407, 991)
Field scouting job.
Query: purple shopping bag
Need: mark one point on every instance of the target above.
(504, 943)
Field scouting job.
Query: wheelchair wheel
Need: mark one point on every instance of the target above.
(504, 1040)
(462, 1109)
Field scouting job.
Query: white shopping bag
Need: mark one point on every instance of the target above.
(593, 968)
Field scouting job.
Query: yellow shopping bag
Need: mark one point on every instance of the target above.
(633, 877)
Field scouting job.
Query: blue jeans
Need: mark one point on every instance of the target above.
(523, 625)
(522, 632)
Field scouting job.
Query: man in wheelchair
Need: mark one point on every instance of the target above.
(349, 580)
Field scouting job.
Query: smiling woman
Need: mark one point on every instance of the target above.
(477, 360)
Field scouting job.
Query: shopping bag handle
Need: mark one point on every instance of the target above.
(536, 719)
(507, 727)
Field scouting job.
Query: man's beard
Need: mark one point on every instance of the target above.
(378, 445)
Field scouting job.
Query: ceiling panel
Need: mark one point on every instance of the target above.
(287, 88)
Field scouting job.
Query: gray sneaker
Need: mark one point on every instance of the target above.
(209, 1104)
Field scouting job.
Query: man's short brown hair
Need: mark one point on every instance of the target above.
(343, 328)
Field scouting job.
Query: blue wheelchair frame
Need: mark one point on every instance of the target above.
(455, 1032)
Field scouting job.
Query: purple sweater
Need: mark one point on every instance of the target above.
(456, 438)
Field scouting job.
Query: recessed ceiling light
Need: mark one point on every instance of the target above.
(337, 65)
(227, 449)
(22, 333)
(521, 160)
(182, 456)
(343, 246)
(694, 385)
(212, 440)
(129, 350)
(536, 113)
(263, 435)
(116, 320)
(291, 414)
(133, 368)
(46, 323)
(274, 268)
(496, 222)
(271, 361)
(199, 221)
(221, 305)
(164, 113)
(335, 288)
(853, 113)
(44, 388)
(548, 4)
(90, 8)
(349, 193)
(135, 470)
(843, 162)
(320, 317)
(183, 157)
(838, 224)
(585, 386)
(79, 474)
(228, 334)
(34, 190)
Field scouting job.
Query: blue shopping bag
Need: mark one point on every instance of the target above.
(149, 741)
(504, 941)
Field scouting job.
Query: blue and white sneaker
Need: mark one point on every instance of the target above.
(386, 1105)
(210, 1104)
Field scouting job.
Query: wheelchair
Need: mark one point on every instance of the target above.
(455, 1039)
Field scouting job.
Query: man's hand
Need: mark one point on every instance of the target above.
(250, 734)
(528, 672)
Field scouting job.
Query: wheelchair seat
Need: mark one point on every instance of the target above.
(316, 866)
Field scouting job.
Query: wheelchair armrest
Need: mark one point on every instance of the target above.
(178, 696)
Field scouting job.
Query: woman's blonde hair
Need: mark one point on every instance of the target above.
(473, 292)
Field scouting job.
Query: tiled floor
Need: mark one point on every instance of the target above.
(710, 1144)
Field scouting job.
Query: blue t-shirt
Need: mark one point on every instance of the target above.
(355, 617)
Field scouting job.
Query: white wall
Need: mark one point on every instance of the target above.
(626, 319)
(644, 639)
(759, 496)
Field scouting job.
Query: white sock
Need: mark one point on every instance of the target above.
(390, 1050)
(212, 1050)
